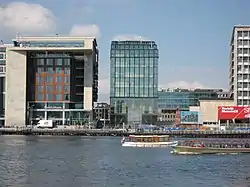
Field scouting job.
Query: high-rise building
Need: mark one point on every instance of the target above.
(133, 81)
(239, 66)
(51, 78)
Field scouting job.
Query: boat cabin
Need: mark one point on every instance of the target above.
(217, 143)
(148, 138)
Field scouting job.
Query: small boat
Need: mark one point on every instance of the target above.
(148, 141)
(214, 147)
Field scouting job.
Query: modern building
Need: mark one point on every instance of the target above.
(172, 99)
(51, 78)
(101, 112)
(239, 65)
(2, 79)
(133, 81)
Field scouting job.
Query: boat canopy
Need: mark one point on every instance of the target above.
(147, 136)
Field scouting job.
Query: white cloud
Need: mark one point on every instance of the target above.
(183, 85)
(85, 30)
(27, 18)
(129, 37)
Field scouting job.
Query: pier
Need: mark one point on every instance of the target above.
(114, 132)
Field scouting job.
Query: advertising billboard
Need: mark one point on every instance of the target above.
(189, 117)
(233, 112)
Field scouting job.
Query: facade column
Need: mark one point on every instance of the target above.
(15, 98)
(63, 117)
(88, 82)
(45, 115)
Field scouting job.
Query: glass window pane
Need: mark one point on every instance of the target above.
(49, 61)
(49, 97)
(49, 88)
(59, 69)
(58, 62)
(58, 97)
(58, 88)
(58, 79)
(66, 88)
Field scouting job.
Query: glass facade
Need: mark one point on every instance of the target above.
(182, 99)
(52, 76)
(134, 78)
(61, 112)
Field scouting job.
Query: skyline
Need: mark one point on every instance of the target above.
(184, 58)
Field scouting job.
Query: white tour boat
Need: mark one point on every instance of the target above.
(148, 141)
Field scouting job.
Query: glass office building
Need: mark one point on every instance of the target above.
(182, 98)
(133, 80)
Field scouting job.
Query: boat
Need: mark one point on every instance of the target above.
(211, 147)
(148, 141)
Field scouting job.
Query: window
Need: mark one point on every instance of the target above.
(58, 97)
(39, 97)
(49, 61)
(58, 62)
(39, 80)
(40, 69)
(58, 88)
(67, 70)
(49, 79)
(66, 62)
(58, 79)
(40, 62)
(40, 88)
(66, 88)
(49, 88)
(49, 97)
(1, 56)
(58, 69)
(66, 79)
(50, 70)
(2, 69)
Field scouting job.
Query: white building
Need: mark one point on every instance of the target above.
(239, 66)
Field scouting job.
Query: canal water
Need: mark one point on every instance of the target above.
(96, 162)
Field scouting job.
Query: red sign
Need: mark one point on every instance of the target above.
(233, 112)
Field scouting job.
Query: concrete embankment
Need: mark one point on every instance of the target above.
(112, 132)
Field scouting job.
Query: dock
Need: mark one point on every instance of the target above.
(115, 132)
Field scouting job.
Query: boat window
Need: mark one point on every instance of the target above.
(150, 139)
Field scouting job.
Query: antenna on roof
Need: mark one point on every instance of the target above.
(57, 35)
(1, 42)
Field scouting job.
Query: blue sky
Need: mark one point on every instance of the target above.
(193, 35)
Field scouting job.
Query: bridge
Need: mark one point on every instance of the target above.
(114, 132)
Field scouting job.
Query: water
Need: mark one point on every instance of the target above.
(97, 162)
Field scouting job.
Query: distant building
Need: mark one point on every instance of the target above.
(239, 66)
(133, 82)
(172, 99)
(51, 78)
(102, 112)
(2, 79)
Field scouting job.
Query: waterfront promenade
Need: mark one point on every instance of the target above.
(77, 131)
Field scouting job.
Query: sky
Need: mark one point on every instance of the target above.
(192, 35)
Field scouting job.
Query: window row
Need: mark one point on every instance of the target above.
(243, 50)
(53, 61)
(52, 79)
(243, 59)
(53, 70)
(52, 97)
(53, 88)
(243, 33)
(134, 46)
